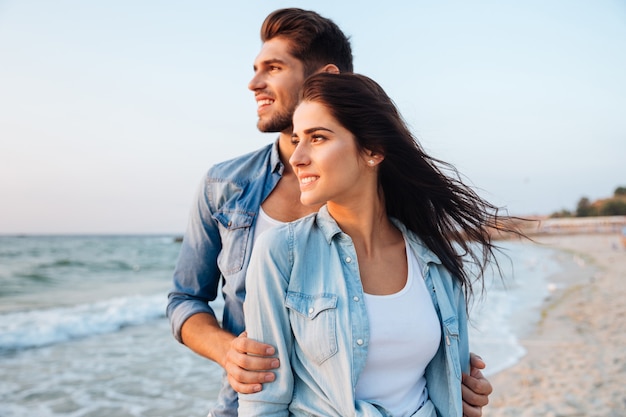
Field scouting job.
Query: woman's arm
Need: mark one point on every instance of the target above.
(267, 320)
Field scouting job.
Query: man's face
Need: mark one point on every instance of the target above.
(278, 77)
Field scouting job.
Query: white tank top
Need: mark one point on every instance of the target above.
(263, 223)
(404, 336)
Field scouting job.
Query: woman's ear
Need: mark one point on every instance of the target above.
(373, 158)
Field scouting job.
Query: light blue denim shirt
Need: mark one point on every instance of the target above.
(305, 297)
(217, 246)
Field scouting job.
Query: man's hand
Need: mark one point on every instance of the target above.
(247, 362)
(475, 388)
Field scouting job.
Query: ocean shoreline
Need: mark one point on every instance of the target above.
(76, 353)
(575, 361)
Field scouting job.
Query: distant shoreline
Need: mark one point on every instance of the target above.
(576, 357)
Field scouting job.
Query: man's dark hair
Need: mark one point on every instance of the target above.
(314, 40)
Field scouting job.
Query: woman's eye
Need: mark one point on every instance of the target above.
(317, 138)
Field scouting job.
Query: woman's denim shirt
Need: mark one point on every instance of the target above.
(305, 297)
(217, 247)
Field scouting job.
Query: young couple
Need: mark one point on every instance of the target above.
(358, 309)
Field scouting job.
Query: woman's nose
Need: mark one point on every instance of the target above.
(299, 156)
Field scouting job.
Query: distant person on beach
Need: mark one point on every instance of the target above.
(365, 300)
(241, 198)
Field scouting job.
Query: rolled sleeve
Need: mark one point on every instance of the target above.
(196, 276)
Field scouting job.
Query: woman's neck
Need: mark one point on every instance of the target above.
(367, 224)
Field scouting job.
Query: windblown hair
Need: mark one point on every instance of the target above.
(449, 217)
(314, 40)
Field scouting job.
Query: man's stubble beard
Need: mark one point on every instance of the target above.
(280, 122)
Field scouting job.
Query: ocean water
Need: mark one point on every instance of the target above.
(83, 331)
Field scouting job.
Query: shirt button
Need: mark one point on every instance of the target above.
(311, 310)
(348, 259)
(355, 298)
(359, 342)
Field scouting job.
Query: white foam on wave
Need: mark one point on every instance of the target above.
(512, 305)
(36, 328)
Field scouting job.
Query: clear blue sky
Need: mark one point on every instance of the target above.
(111, 111)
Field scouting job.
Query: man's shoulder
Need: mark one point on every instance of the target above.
(243, 166)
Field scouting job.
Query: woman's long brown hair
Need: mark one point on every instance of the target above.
(424, 193)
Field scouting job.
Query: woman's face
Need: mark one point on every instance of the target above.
(326, 159)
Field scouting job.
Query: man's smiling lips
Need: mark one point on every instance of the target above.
(263, 101)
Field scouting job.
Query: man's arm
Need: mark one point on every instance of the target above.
(246, 361)
(196, 281)
(475, 388)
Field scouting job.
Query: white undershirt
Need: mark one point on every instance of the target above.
(263, 223)
(404, 336)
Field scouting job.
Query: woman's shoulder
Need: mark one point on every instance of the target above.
(286, 232)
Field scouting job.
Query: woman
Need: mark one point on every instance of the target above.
(365, 300)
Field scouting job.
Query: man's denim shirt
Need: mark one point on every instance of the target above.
(217, 245)
(305, 297)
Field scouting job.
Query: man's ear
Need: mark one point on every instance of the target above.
(330, 68)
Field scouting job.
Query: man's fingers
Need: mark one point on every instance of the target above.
(475, 388)
(244, 388)
(243, 344)
(476, 361)
(477, 384)
(239, 357)
(469, 411)
(476, 373)
(256, 363)
(249, 376)
(473, 396)
(248, 363)
(473, 402)
(246, 374)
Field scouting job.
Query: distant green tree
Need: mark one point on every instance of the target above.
(620, 192)
(584, 208)
(561, 214)
(613, 207)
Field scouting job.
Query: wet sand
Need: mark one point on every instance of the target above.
(576, 357)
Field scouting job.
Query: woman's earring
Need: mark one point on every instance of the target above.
(370, 162)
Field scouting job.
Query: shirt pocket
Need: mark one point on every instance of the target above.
(313, 321)
(451, 331)
(235, 233)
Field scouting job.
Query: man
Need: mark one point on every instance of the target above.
(240, 198)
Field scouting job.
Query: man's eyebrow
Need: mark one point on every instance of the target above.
(271, 61)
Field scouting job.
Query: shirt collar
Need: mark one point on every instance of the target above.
(275, 163)
(330, 229)
(327, 224)
(424, 254)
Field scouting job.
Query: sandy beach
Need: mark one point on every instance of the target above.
(576, 357)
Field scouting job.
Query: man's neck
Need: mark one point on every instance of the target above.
(285, 148)
(283, 204)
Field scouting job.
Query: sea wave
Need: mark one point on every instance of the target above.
(36, 328)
